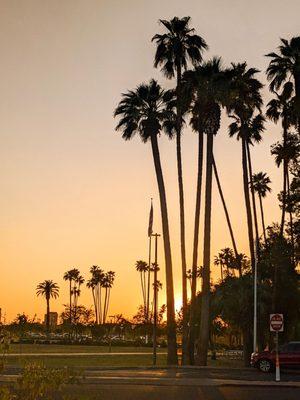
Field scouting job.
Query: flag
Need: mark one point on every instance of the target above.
(150, 226)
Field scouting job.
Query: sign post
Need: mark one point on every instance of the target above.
(276, 325)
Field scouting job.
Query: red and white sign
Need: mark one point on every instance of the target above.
(276, 322)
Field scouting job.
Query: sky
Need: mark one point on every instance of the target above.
(73, 193)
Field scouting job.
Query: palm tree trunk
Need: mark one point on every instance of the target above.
(253, 198)
(291, 219)
(95, 305)
(262, 217)
(285, 171)
(70, 301)
(247, 202)
(48, 315)
(225, 208)
(104, 307)
(182, 217)
(171, 325)
(297, 97)
(204, 323)
(191, 344)
(143, 292)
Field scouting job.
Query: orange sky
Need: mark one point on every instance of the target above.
(72, 192)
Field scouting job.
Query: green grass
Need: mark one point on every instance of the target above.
(52, 348)
(89, 361)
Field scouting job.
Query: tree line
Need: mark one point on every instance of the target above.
(203, 89)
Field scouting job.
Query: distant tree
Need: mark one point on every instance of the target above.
(261, 186)
(71, 277)
(47, 289)
(143, 268)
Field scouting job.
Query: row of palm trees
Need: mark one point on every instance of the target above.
(100, 283)
(202, 90)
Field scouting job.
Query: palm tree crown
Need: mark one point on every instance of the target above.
(261, 183)
(178, 46)
(48, 289)
(145, 110)
(284, 64)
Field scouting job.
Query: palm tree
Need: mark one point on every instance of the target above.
(225, 207)
(107, 283)
(47, 289)
(78, 281)
(176, 49)
(260, 183)
(282, 107)
(145, 111)
(285, 153)
(209, 82)
(283, 67)
(70, 276)
(142, 267)
(245, 99)
(95, 284)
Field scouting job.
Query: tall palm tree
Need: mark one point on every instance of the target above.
(245, 99)
(176, 49)
(95, 284)
(225, 207)
(285, 153)
(285, 65)
(47, 289)
(70, 276)
(261, 186)
(107, 283)
(78, 281)
(142, 267)
(282, 107)
(145, 110)
(209, 83)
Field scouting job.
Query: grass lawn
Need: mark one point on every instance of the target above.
(53, 348)
(89, 361)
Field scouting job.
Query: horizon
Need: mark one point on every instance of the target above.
(74, 193)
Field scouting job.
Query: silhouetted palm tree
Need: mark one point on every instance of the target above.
(260, 183)
(176, 49)
(145, 110)
(47, 289)
(245, 99)
(282, 107)
(70, 276)
(107, 284)
(142, 268)
(225, 207)
(94, 283)
(210, 84)
(285, 153)
(284, 66)
(78, 281)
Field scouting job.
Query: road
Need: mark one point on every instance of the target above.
(184, 383)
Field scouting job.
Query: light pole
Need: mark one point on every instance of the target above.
(255, 298)
(155, 302)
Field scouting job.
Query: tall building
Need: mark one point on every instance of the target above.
(53, 318)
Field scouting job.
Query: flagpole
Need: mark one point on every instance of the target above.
(149, 271)
(149, 263)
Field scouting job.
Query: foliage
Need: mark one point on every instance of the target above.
(40, 383)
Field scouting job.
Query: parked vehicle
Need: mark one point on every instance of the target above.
(289, 356)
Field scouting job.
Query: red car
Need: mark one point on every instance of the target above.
(289, 356)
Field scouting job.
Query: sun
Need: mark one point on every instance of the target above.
(178, 303)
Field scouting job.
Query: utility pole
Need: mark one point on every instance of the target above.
(155, 302)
